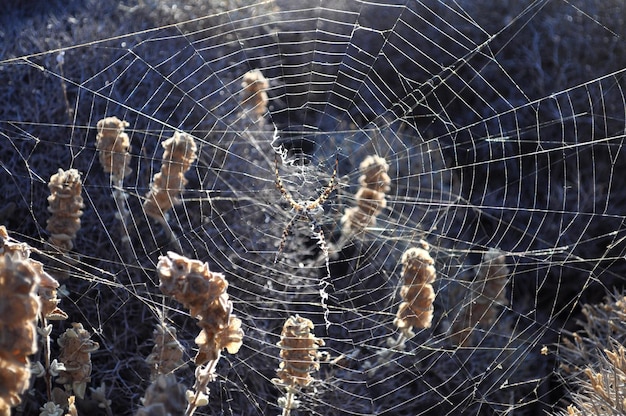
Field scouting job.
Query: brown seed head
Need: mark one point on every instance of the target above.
(179, 154)
(254, 96)
(165, 396)
(76, 349)
(19, 307)
(113, 146)
(203, 292)
(167, 353)
(65, 203)
(299, 353)
(418, 272)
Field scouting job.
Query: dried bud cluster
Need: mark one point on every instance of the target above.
(47, 292)
(10, 247)
(298, 350)
(375, 183)
(180, 153)
(418, 272)
(167, 353)
(203, 292)
(488, 291)
(76, 349)
(19, 307)
(165, 396)
(113, 146)
(65, 203)
(254, 96)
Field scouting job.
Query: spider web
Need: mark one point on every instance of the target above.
(502, 125)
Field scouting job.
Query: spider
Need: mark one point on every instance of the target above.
(306, 210)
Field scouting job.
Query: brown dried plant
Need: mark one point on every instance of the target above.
(165, 396)
(48, 302)
(300, 357)
(593, 362)
(488, 293)
(375, 183)
(254, 97)
(203, 292)
(65, 203)
(180, 153)
(602, 390)
(19, 307)
(418, 274)
(113, 145)
(167, 353)
(76, 348)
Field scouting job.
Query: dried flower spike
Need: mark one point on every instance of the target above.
(180, 153)
(113, 146)
(65, 203)
(375, 183)
(488, 291)
(19, 307)
(298, 350)
(418, 272)
(300, 357)
(167, 353)
(76, 349)
(165, 396)
(203, 292)
(254, 96)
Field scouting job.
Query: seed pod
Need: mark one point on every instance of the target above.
(165, 396)
(180, 153)
(488, 291)
(76, 349)
(203, 292)
(65, 203)
(113, 145)
(418, 272)
(298, 350)
(19, 307)
(254, 96)
(167, 353)
(370, 198)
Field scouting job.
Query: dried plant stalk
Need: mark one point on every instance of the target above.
(254, 96)
(180, 153)
(65, 203)
(375, 183)
(113, 145)
(203, 292)
(167, 353)
(418, 273)
(594, 362)
(300, 357)
(165, 396)
(19, 307)
(76, 348)
(488, 292)
(602, 390)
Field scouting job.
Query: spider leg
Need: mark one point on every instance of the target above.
(283, 239)
(281, 187)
